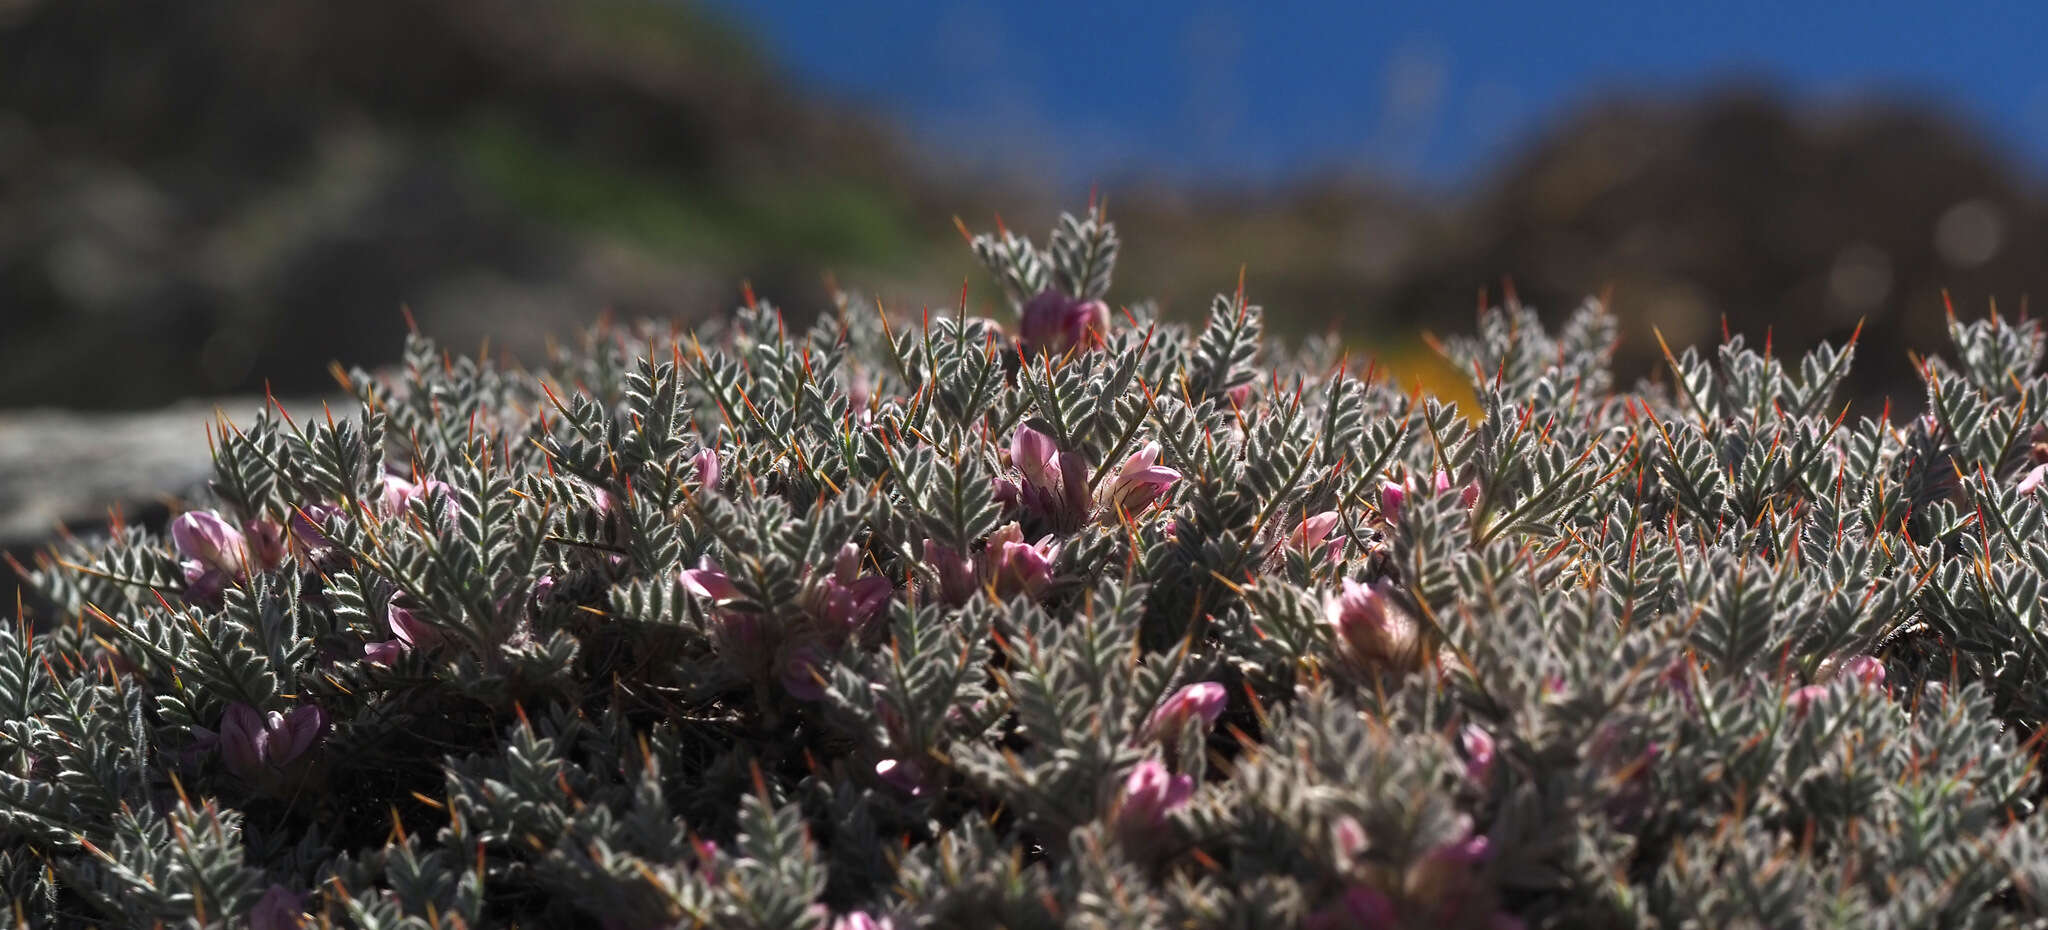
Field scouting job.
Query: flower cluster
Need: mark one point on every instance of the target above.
(1062, 614)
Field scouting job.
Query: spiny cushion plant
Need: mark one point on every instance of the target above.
(1081, 618)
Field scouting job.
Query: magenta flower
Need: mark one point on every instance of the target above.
(1203, 700)
(1036, 455)
(1240, 395)
(802, 667)
(845, 600)
(1467, 496)
(706, 463)
(216, 554)
(1361, 907)
(252, 742)
(280, 908)
(708, 582)
(265, 542)
(1314, 533)
(407, 632)
(1479, 752)
(396, 494)
(1349, 836)
(1017, 567)
(1137, 484)
(902, 774)
(308, 525)
(956, 573)
(1391, 497)
(1150, 795)
(1375, 631)
(1054, 322)
(1055, 482)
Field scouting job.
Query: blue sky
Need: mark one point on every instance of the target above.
(1426, 92)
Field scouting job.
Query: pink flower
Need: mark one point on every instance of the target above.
(1137, 484)
(265, 541)
(708, 582)
(395, 494)
(1240, 395)
(845, 600)
(1017, 567)
(280, 908)
(1444, 879)
(1391, 497)
(1314, 533)
(1467, 496)
(1349, 835)
(251, 741)
(956, 573)
(1055, 482)
(1150, 795)
(1035, 454)
(308, 525)
(1802, 699)
(407, 632)
(862, 920)
(1479, 752)
(801, 669)
(706, 463)
(1361, 907)
(1203, 700)
(216, 554)
(1054, 322)
(1373, 629)
(1866, 670)
(2033, 479)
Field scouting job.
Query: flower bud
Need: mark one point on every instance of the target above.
(395, 494)
(1313, 535)
(1467, 496)
(1479, 752)
(280, 908)
(1203, 700)
(1349, 837)
(407, 633)
(1054, 322)
(708, 582)
(1034, 454)
(1150, 795)
(706, 463)
(1137, 484)
(308, 525)
(1868, 670)
(1374, 630)
(265, 542)
(902, 774)
(1391, 497)
(1802, 699)
(844, 600)
(802, 667)
(216, 554)
(1017, 567)
(1361, 907)
(956, 573)
(252, 742)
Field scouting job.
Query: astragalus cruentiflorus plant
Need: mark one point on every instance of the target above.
(1073, 618)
